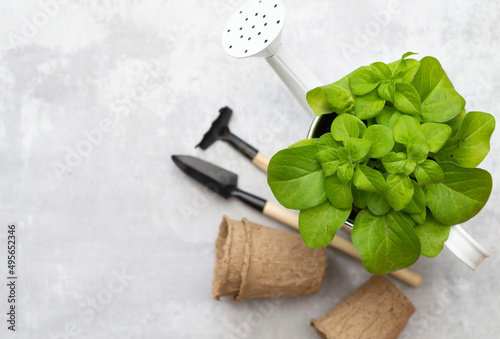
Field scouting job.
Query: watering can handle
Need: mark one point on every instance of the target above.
(294, 74)
(465, 248)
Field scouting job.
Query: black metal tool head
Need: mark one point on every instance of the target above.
(218, 130)
(219, 180)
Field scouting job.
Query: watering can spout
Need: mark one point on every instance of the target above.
(294, 74)
(255, 30)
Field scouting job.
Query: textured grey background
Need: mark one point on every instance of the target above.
(156, 71)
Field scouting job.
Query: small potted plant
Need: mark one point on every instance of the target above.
(397, 156)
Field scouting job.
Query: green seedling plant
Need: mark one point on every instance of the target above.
(400, 158)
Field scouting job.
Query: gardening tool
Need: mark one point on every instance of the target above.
(224, 183)
(220, 131)
(255, 30)
(459, 242)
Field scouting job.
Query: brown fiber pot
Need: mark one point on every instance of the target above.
(254, 261)
(376, 310)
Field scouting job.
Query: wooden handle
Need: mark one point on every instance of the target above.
(292, 219)
(261, 161)
(281, 214)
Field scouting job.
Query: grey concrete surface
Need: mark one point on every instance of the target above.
(115, 242)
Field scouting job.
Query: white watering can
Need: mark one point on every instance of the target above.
(255, 30)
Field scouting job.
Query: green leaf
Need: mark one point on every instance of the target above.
(296, 178)
(358, 148)
(346, 171)
(386, 91)
(381, 71)
(377, 203)
(407, 131)
(345, 126)
(432, 236)
(409, 167)
(399, 190)
(472, 142)
(318, 225)
(429, 172)
(305, 142)
(330, 160)
(368, 179)
(440, 101)
(407, 54)
(408, 69)
(330, 98)
(435, 135)
(385, 243)
(395, 162)
(368, 105)
(326, 141)
(389, 116)
(317, 100)
(361, 127)
(327, 155)
(370, 122)
(343, 154)
(374, 163)
(405, 69)
(417, 203)
(418, 153)
(339, 193)
(461, 195)
(381, 138)
(333, 158)
(331, 167)
(362, 81)
(456, 122)
(419, 218)
(406, 99)
(344, 82)
(359, 197)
